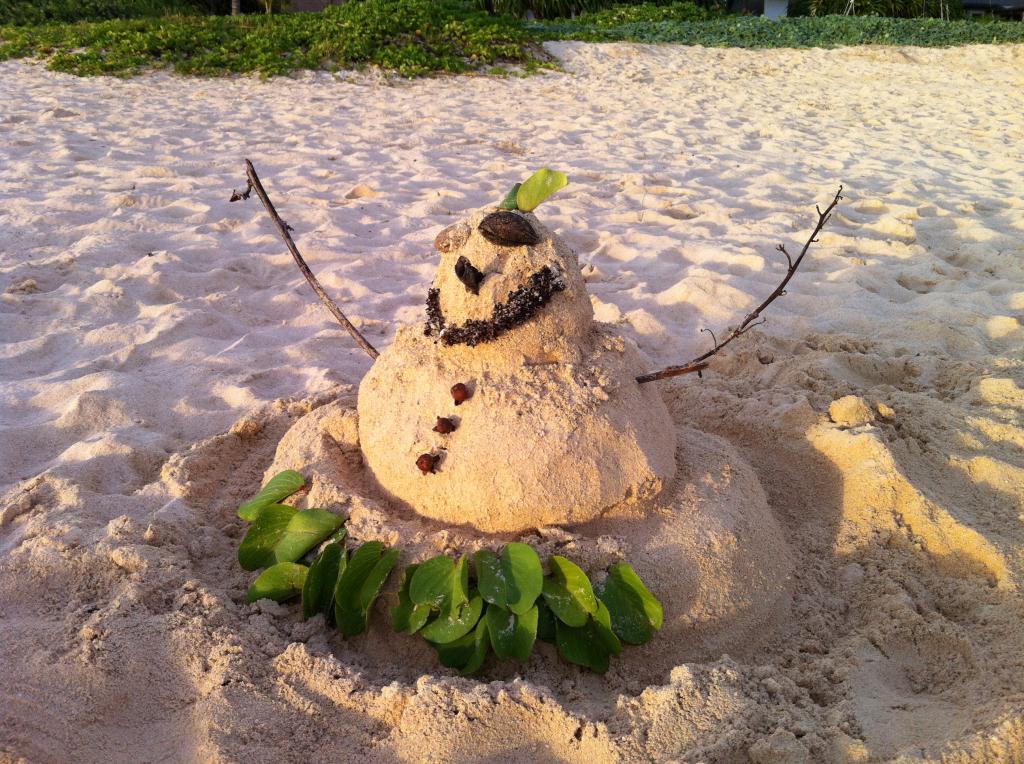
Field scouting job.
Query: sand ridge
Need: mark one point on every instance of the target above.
(149, 327)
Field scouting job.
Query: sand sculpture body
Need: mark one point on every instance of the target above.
(556, 430)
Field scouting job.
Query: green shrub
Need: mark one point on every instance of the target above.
(647, 12)
(415, 37)
(412, 37)
(543, 9)
(28, 12)
(24, 12)
(905, 9)
(549, 9)
(792, 32)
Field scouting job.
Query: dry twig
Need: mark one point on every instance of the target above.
(700, 363)
(283, 229)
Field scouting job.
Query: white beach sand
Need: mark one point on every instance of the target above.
(141, 315)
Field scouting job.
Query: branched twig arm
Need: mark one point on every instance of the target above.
(700, 362)
(283, 229)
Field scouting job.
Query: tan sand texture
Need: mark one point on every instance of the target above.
(149, 326)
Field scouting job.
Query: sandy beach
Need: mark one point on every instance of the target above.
(157, 342)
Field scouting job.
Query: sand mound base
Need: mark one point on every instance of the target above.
(902, 636)
(711, 551)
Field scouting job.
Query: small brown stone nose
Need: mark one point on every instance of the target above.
(452, 237)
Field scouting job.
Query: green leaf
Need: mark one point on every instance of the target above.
(578, 644)
(512, 635)
(348, 612)
(441, 583)
(318, 591)
(306, 529)
(375, 579)
(279, 487)
(513, 581)
(489, 577)
(406, 616)
(450, 626)
(524, 577)
(481, 643)
(431, 581)
(603, 627)
(269, 527)
(545, 622)
(635, 612)
(457, 653)
(468, 652)
(590, 645)
(279, 582)
(418, 618)
(460, 583)
(350, 623)
(568, 592)
(539, 187)
(509, 202)
(359, 566)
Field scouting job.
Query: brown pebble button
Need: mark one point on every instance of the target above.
(460, 393)
(444, 425)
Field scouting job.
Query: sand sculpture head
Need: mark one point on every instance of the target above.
(552, 427)
(501, 271)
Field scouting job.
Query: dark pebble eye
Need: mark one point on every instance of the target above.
(468, 275)
(508, 229)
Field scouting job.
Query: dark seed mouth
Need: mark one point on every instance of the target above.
(522, 305)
